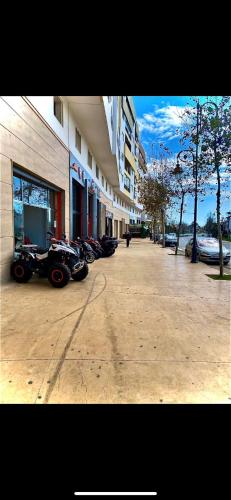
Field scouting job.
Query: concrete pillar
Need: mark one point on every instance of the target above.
(71, 208)
(94, 215)
(85, 209)
(102, 224)
(6, 217)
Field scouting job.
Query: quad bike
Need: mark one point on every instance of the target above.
(58, 263)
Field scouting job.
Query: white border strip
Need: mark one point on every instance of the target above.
(115, 493)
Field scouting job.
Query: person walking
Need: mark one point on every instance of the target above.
(128, 237)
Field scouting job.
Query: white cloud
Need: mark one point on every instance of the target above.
(163, 121)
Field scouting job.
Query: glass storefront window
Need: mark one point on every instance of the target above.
(50, 220)
(18, 220)
(35, 195)
(34, 211)
(17, 186)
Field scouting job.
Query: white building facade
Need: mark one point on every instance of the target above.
(68, 164)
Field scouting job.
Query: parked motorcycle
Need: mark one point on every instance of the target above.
(96, 247)
(86, 251)
(110, 238)
(104, 247)
(108, 245)
(59, 263)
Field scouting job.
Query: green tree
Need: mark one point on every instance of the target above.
(211, 226)
(155, 196)
(216, 149)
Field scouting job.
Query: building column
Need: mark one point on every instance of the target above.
(71, 207)
(98, 219)
(102, 216)
(94, 215)
(85, 209)
(7, 218)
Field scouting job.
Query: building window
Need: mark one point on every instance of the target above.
(106, 186)
(89, 161)
(102, 180)
(127, 167)
(97, 171)
(58, 109)
(114, 198)
(78, 140)
(110, 189)
(127, 183)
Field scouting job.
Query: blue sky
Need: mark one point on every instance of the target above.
(158, 118)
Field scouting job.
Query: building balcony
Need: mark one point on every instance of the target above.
(129, 156)
(90, 116)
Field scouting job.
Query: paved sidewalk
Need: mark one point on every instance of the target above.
(144, 327)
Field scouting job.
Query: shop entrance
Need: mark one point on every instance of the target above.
(121, 229)
(108, 226)
(77, 196)
(116, 228)
(90, 215)
(35, 225)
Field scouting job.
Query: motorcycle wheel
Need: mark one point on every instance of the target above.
(89, 257)
(81, 275)
(20, 271)
(58, 275)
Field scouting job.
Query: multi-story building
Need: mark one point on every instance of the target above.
(68, 164)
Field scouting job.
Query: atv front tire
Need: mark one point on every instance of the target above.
(81, 275)
(59, 274)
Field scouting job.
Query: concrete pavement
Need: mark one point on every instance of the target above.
(144, 327)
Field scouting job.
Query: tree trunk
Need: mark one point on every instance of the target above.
(219, 219)
(153, 230)
(163, 227)
(179, 227)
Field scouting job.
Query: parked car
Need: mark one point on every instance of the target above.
(207, 250)
(170, 240)
(159, 238)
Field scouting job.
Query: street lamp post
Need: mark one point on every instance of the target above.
(216, 163)
(186, 154)
(195, 170)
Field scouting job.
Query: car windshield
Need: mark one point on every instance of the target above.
(208, 242)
